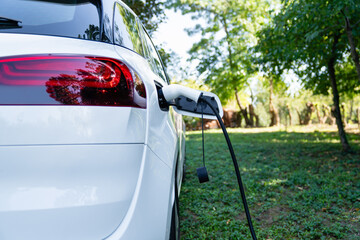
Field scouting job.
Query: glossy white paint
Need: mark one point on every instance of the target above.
(71, 125)
(86, 172)
(161, 138)
(174, 90)
(66, 192)
(149, 216)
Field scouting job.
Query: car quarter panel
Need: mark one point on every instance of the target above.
(67, 192)
(149, 214)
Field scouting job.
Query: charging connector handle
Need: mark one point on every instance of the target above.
(236, 166)
(173, 91)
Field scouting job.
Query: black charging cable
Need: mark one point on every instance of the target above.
(202, 133)
(236, 166)
(201, 171)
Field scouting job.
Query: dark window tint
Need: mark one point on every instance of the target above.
(126, 29)
(69, 18)
(153, 57)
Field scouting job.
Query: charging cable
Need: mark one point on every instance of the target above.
(236, 166)
(167, 94)
(201, 171)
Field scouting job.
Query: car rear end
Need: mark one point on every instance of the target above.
(74, 116)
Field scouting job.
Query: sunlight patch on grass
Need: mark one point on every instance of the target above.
(273, 182)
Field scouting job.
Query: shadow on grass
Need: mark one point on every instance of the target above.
(299, 186)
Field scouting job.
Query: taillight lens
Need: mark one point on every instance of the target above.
(72, 80)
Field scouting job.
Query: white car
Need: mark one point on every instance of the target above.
(88, 150)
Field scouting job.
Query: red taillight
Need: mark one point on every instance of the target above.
(74, 80)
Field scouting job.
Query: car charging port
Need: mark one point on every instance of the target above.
(163, 104)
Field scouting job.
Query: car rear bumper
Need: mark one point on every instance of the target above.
(83, 192)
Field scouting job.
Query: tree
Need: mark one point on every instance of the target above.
(309, 38)
(358, 116)
(350, 11)
(289, 113)
(223, 52)
(274, 113)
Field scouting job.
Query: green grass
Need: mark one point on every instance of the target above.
(299, 185)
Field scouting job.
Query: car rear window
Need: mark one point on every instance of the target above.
(68, 18)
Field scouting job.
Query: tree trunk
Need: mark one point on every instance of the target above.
(274, 114)
(343, 114)
(289, 113)
(332, 116)
(238, 119)
(308, 113)
(299, 115)
(318, 113)
(354, 54)
(251, 116)
(325, 110)
(358, 116)
(336, 98)
(351, 109)
(242, 110)
(252, 111)
(254, 118)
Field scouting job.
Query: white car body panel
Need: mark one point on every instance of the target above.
(71, 125)
(86, 172)
(68, 191)
(146, 214)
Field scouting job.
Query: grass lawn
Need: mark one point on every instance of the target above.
(299, 185)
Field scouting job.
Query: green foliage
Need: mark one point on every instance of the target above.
(224, 56)
(346, 74)
(298, 186)
(301, 38)
(311, 38)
